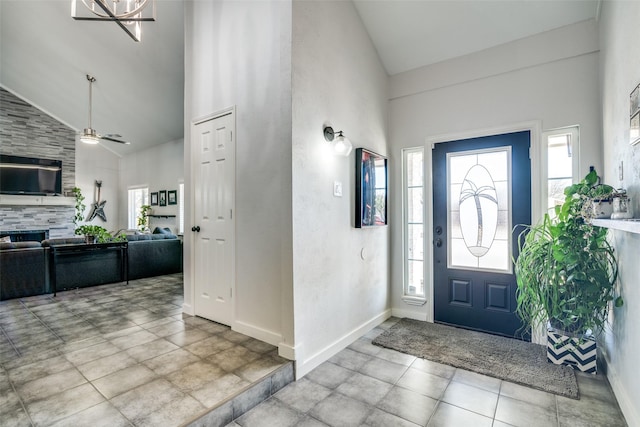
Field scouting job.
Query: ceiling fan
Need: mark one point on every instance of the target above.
(89, 135)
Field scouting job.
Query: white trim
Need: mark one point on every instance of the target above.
(536, 182)
(258, 333)
(414, 300)
(306, 365)
(188, 309)
(409, 314)
(627, 406)
(19, 200)
(288, 351)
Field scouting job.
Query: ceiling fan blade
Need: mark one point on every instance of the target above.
(108, 138)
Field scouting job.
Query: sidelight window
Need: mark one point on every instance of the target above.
(562, 163)
(413, 221)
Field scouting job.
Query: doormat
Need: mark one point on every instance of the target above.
(508, 359)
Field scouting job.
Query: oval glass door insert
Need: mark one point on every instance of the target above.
(479, 217)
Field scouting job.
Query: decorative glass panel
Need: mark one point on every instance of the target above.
(479, 187)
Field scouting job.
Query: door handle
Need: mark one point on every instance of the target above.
(438, 242)
(195, 228)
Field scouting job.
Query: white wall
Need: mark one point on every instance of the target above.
(239, 54)
(620, 62)
(159, 168)
(337, 79)
(95, 162)
(550, 79)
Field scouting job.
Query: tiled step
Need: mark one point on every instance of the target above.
(241, 402)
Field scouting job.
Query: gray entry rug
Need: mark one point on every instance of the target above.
(499, 357)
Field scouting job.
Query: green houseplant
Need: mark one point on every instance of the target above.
(80, 206)
(97, 234)
(143, 218)
(566, 270)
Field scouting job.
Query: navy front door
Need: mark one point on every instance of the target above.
(481, 190)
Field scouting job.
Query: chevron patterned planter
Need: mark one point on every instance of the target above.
(575, 352)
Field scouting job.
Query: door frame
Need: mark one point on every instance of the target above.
(190, 293)
(536, 157)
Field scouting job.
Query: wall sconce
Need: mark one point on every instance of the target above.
(341, 144)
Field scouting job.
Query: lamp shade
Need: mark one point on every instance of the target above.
(89, 137)
(342, 145)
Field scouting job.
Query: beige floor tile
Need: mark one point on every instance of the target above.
(54, 408)
(124, 380)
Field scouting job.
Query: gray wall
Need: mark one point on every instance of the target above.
(239, 54)
(29, 132)
(620, 65)
(341, 273)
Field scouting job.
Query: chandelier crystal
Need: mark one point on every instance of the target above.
(128, 14)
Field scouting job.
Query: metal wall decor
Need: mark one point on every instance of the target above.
(97, 208)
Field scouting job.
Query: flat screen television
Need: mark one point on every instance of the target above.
(30, 176)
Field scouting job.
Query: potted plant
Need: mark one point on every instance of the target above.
(143, 218)
(94, 233)
(566, 270)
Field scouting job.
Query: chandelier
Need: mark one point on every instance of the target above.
(128, 14)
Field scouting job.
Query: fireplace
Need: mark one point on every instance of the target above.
(26, 235)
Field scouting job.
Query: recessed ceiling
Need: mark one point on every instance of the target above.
(415, 33)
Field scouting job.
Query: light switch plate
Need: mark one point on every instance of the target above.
(337, 188)
(621, 171)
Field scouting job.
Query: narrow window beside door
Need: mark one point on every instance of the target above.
(562, 146)
(413, 222)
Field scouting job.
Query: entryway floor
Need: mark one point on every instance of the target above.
(120, 355)
(366, 385)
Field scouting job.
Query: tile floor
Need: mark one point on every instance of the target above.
(366, 385)
(119, 355)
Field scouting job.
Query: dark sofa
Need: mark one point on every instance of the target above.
(154, 255)
(23, 270)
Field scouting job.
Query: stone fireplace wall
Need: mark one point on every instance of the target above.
(56, 219)
(29, 132)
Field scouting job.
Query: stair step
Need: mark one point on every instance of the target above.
(245, 399)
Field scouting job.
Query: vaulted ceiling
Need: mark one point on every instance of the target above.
(45, 54)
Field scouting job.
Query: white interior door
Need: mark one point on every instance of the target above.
(213, 226)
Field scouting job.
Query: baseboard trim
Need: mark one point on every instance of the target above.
(261, 334)
(287, 351)
(305, 366)
(409, 314)
(188, 309)
(628, 408)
